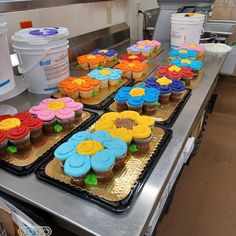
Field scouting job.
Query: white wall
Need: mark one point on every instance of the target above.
(136, 21)
(79, 18)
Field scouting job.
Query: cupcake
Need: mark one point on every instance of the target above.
(77, 108)
(150, 101)
(102, 163)
(122, 133)
(65, 117)
(120, 100)
(35, 125)
(165, 92)
(146, 120)
(23, 115)
(174, 75)
(187, 76)
(77, 167)
(134, 57)
(72, 90)
(110, 54)
(3, 144)
(49, 120)
(135, 104)
(119, 148)
(20, 138)
(177, 90)
(114, 79)
(151, 82)
(64, 151)
(137, 49)
(137, 73)
(174, 53)
(183, 53)
(162, 71)
(154, 44)
(199, 48)
(142, 137)
(85, 90)
(192, 54)
(196, 66)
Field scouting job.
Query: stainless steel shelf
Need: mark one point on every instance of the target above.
(21, 5)
(85, 218)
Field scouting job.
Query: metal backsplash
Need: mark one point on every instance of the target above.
(104, 38)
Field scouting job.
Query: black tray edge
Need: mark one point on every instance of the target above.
(115, 207)
(26, 170)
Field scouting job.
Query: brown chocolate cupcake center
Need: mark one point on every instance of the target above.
(125, 123)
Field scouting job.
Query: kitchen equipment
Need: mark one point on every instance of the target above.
(7, 82)
(208, 37)
(43, 57)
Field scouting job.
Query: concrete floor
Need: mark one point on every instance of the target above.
(204, 202)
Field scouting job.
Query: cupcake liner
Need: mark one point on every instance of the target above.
(114, 82)
(133, 108)
(121, 106)
(86, 94)
(36, 134)
(84, 65)
(137, 75)
(23, 144)
(3, 149)
(78, 114)
(149, 108)
(104, 83)
(48, 126)
(66, 123)
(143, 145)
(164, 98)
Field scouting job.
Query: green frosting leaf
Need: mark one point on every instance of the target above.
(115, 58)
(120, 81)
(155, 50)
(132, 148)
(151, 54)
(100, 67)
(78, 67)
(91, 179)
(11, 149)
(184, 83)
(94, 93)
(57, 128)
(158, 104)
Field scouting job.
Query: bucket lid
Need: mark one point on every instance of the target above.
(40, 36)
(188, 16)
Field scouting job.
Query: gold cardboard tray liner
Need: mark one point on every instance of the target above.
(102, 95)
(163, 112)
(44, 145)
(123, 181)
(196, 80)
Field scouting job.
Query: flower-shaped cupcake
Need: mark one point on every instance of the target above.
(86, 151)
(197, 47)
(18, 129)
(133, 57)
(61, 109)
(110, 54)
(150, 43)
(136, 49)
(154, 82)
(71, 85)
(128, 126)
(134, 69)
(182, 53)
(138, 98)
(106, 76)
(91, 61)
(193, 64)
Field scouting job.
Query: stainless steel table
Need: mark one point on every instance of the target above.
(85, 218)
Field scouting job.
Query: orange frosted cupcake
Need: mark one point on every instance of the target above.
(86, 90)
(90, 61)
(72, 90)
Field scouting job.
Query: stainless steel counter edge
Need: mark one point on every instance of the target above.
(80, 214)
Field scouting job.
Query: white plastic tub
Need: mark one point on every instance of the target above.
(7, 82)
(186, 29)
(43, 57)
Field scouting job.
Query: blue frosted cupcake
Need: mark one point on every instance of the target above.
(100, 135)
(135, 104)
(196, 66)
(110, 54)
(102, 163)
(150, 101)
(80, 137)
(64, 151)
(120, 99)
(119, 148)
(165, 92)
(177, 90)
(151, 82)
(174, 53)
(192, 54)
(77, 167)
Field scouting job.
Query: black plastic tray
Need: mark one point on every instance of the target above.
(25, 170)
(171, 120)
(119, 206)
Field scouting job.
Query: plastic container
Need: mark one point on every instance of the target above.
(7, 82)
(229, 66)
(43, 57)
(186, 28)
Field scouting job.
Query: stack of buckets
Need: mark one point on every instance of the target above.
(186, 28)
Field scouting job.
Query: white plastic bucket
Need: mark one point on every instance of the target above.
(7, 81)
(186, 29)
(43, 57)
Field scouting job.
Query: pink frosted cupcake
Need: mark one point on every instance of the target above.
(49, 120)
(65, 117)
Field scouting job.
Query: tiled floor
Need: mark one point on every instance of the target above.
(204, 203)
